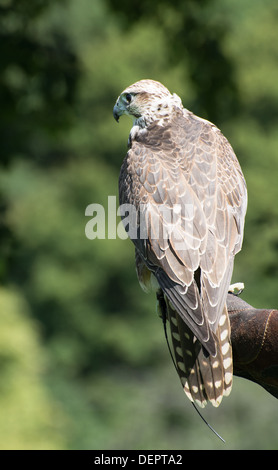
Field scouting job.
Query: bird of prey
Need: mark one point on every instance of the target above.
(188, 191)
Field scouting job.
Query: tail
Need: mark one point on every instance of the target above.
(204, 377)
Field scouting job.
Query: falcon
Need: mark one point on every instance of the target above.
(182, 178)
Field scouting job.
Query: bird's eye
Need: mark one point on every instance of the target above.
(128, 97)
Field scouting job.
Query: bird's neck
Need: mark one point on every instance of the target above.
(159, 110)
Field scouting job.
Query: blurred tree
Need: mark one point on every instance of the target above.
(195, 33)
(252, 49)
(37, 87)
(38, 81)
(63, 276)
(29, 417)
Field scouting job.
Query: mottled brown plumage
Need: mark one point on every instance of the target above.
(182, 176)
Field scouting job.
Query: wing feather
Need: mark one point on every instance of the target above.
(188, 164)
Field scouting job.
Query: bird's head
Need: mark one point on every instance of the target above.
(145, 101)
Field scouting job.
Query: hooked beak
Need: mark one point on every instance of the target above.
(116, 113)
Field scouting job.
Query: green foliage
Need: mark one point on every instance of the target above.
(83, 360)
(29, 415)
(38, 79)
(195, 34)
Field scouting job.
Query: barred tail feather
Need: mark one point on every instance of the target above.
(204, 378)
(224, 334)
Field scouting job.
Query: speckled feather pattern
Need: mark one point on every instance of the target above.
(177, 158)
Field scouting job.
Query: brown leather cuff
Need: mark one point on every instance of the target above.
(254, 335)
